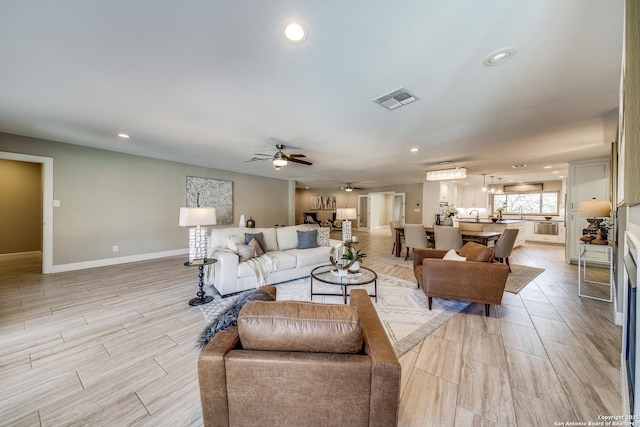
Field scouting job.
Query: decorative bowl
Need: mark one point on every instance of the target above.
(494, 219)
(547, 218)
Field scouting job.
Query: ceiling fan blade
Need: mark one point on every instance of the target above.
(302, 162)
(295, 155)
(259, 154)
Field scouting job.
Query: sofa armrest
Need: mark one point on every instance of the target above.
(386, 371)
(212, 377)
(482, 282)
(421, 253)
(224, 274)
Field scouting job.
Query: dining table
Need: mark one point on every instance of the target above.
(482, 237)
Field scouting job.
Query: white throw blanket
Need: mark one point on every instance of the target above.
(262, 266)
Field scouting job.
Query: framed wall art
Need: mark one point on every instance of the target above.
(211, 193)
(323, 202)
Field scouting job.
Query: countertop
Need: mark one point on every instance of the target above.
(488, 221)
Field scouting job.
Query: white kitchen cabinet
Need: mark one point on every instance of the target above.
(448, 193)
(528, 230)
(586, 180)
(471, 197)
(562, 231)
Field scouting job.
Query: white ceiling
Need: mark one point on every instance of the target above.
(210, 82)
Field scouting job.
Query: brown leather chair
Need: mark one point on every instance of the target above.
(291, 363)
(478, 279)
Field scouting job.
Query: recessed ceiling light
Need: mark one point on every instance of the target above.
(561, 176)
(547, 167)
(499, 56)
(415, 150)
(295, 33)
(510, 180)
(123, 136)
(555, 172)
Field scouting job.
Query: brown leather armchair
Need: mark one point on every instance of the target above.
(478, 279)
(293, 363)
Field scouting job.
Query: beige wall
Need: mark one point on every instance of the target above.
(109, 198)
(413, 196)
(344, 199)
(20, 207)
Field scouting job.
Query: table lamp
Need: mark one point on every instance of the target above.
(595, 211)
(190, 217)
(346, 214)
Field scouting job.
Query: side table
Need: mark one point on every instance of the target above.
(201, 298)
(601, 255)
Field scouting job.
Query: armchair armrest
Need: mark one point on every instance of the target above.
(386, 371)
(420, 254)
(212, 377)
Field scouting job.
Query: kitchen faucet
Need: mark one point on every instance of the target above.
(521, 216)
(477, 214)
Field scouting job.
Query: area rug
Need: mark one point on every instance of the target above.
(519, 277)
(401, 306)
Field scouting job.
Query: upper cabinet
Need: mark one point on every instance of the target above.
(471, 197)
(448, 193)
(587, 180)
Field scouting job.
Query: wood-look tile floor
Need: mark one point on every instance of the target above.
(116, 346)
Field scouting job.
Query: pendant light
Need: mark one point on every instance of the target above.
(492, 190)
(484, 182)
(499, 190)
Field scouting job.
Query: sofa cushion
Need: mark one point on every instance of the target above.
(312, 256)
(295, 326)
(284, 260)
(270, 238)
(452, 255)
(257, 236)
(233, 241)
(307, 239)
(218, 238)
(476, 252)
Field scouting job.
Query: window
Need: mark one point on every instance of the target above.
(541, 203)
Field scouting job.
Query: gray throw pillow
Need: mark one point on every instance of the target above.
(258, 236)
(307, 239)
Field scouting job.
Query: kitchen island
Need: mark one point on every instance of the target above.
(486, 225)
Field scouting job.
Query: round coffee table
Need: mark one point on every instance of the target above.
(327, 274)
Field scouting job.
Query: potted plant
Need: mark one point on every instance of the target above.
(446, 213)
(604, 227)
(356, 256)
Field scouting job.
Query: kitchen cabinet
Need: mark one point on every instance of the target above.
(520, 238)
(471, 197)
(586, 180)
(528, 230)
(448, 193)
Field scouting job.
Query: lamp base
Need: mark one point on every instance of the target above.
(346, 230)
(594, 224)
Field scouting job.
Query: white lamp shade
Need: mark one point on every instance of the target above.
(594, 208)
(346, 213)
(190, 217)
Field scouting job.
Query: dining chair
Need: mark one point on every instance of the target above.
(393, 225)
(415, 236)
(504, 245)
(447, 237)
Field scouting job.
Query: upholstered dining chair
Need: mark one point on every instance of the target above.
(447, 237)
(415, 236)
(504, 245)
(393, 225)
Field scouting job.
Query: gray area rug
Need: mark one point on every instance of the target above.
(520, 276)
(401, 306)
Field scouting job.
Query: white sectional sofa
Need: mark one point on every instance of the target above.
(229, 275)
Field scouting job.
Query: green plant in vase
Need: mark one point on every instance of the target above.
(356, 255)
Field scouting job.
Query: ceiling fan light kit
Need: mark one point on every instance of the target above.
(455, 173)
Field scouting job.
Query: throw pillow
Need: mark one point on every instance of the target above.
(307, 239)
(245, 252)
(453, 256)
(323, 236)
(229, 316)
(258, 236)
(233, 241)
(256, 245)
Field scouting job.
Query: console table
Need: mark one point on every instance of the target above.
(595, 255)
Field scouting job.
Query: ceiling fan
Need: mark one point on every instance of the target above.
(350, 187)
(281, 159)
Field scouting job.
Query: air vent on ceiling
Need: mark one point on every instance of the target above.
(395, 99)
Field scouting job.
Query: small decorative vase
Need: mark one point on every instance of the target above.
(355, 267)
(251, 223)
(499, 215)
(447, 221)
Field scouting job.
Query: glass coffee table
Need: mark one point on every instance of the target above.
(328, 274)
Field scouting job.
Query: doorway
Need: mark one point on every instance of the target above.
(383, 207)
(47, 203)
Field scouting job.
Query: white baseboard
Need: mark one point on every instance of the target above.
(115, 261)
(19, 255)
